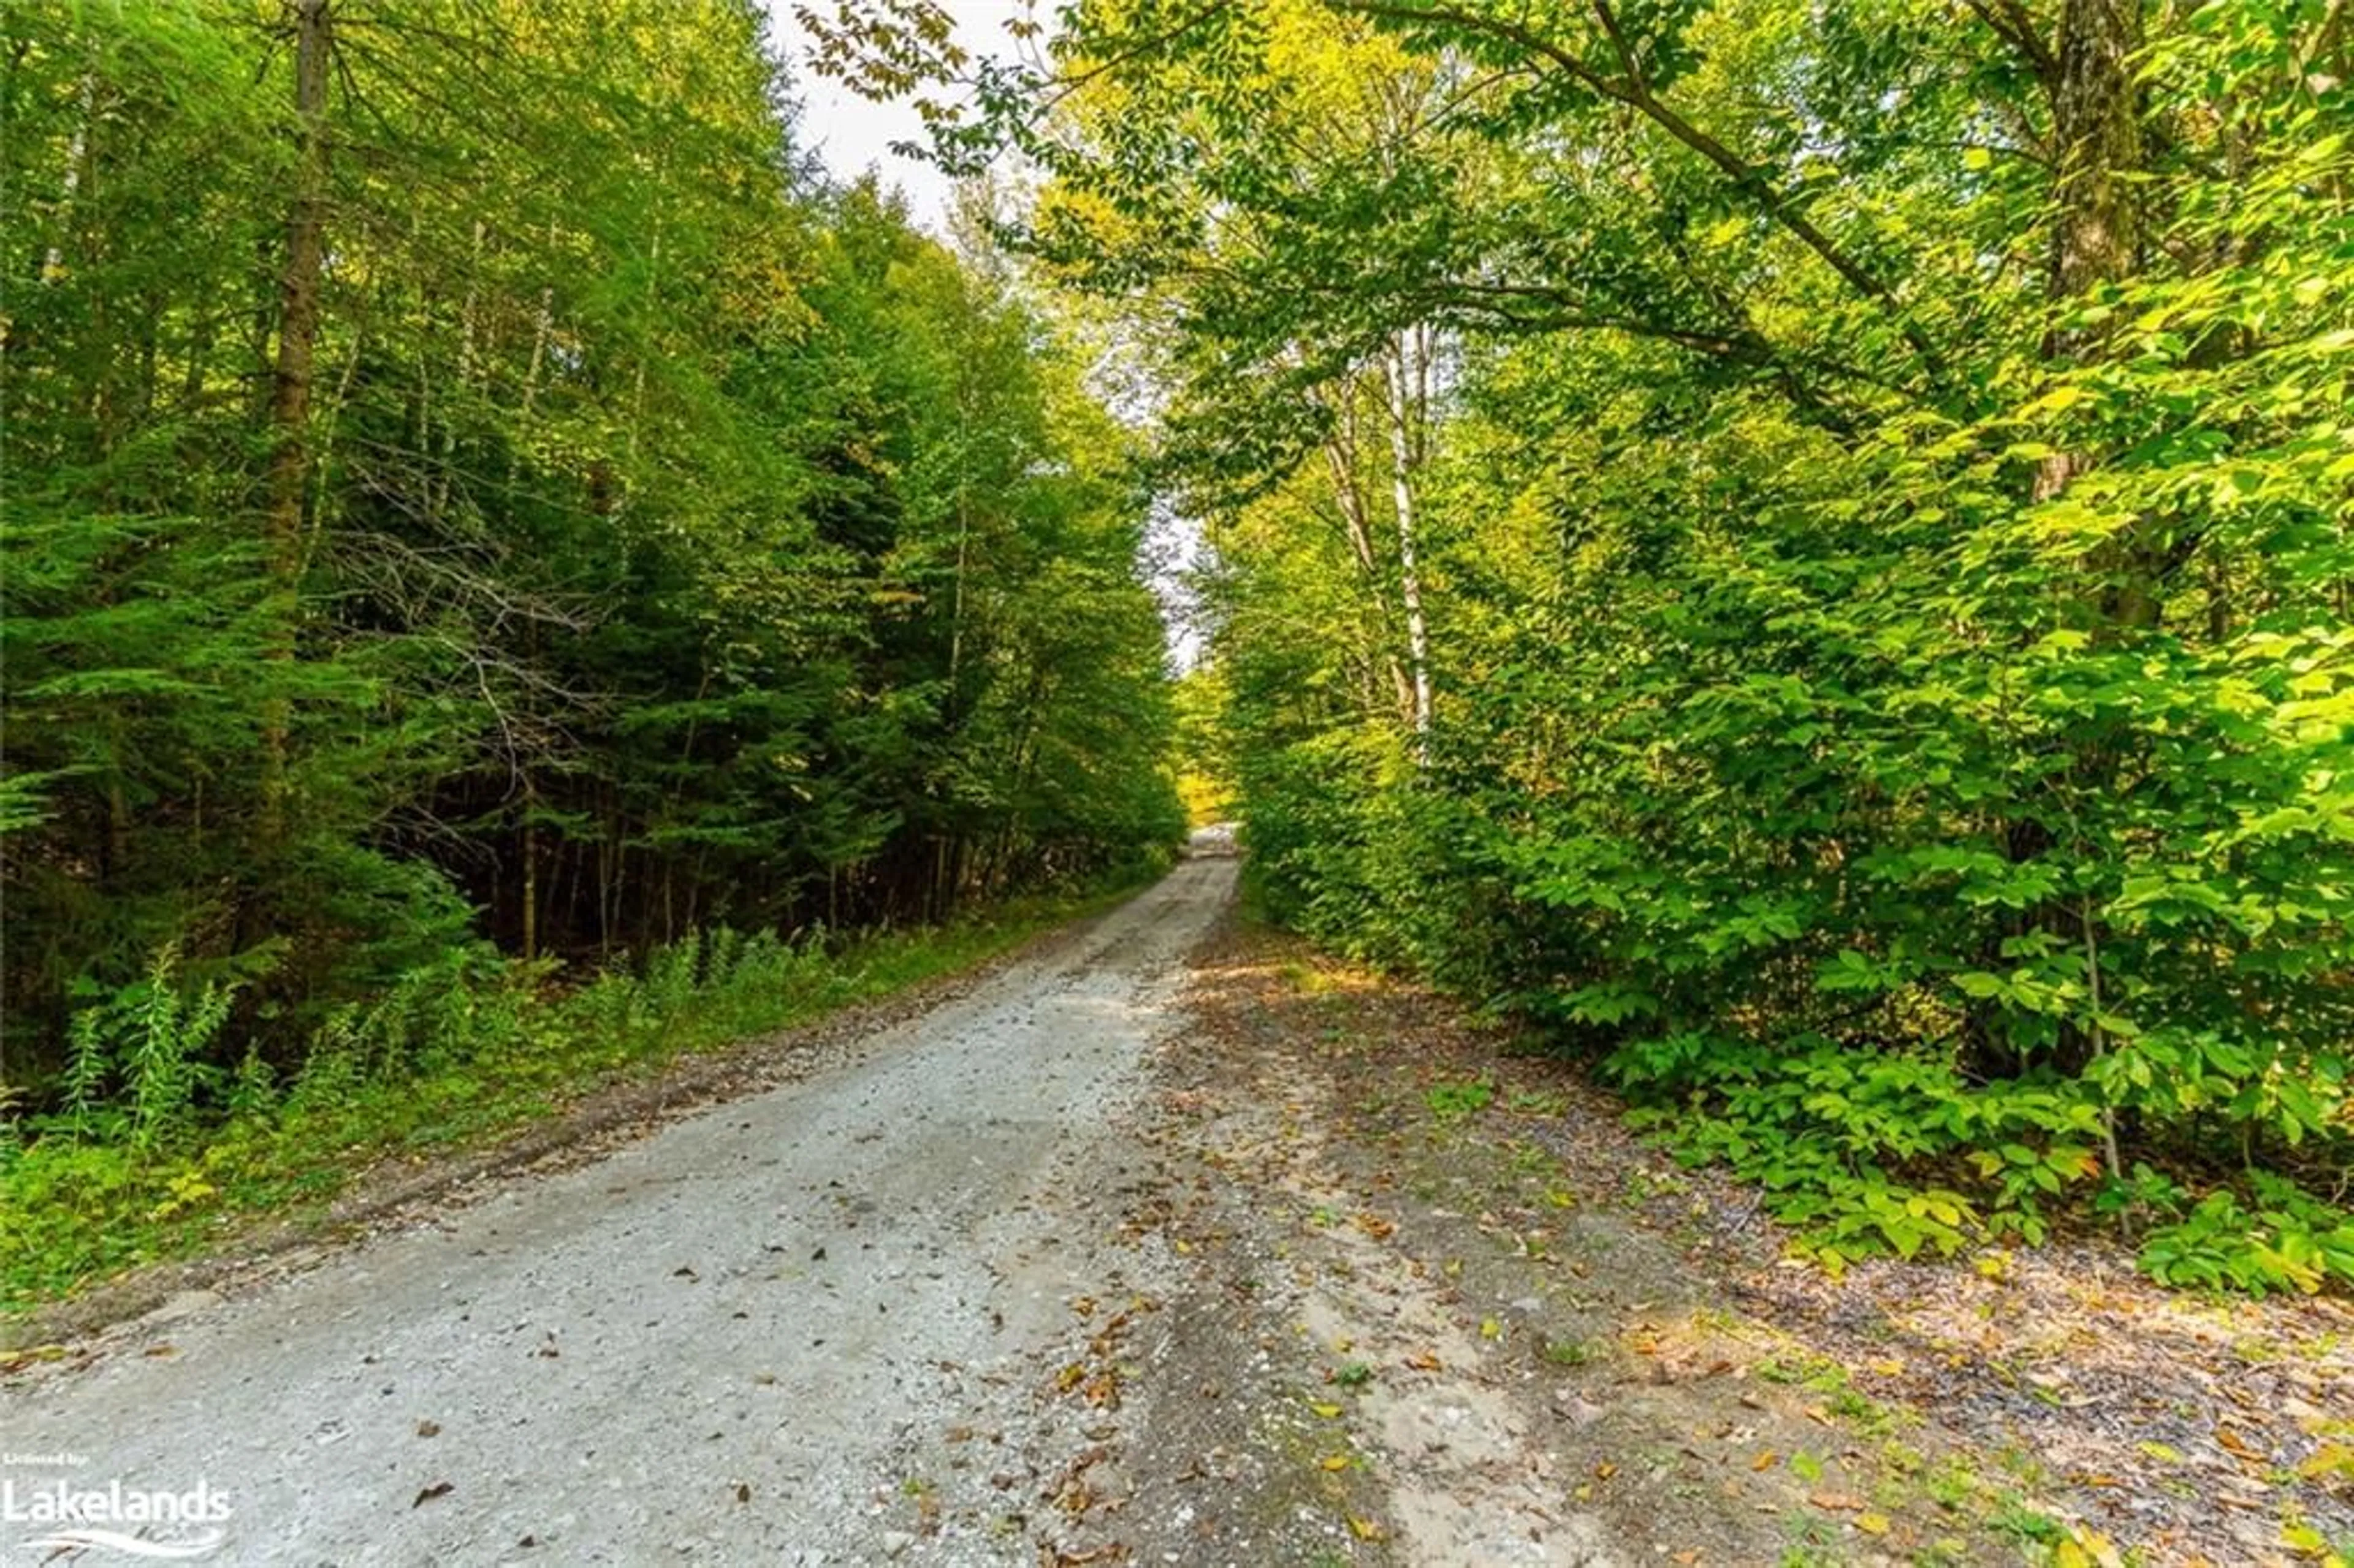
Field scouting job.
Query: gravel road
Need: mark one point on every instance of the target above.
(1167, 1243)
(804, 1327)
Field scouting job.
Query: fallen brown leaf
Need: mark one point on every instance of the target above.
(2238, 1444)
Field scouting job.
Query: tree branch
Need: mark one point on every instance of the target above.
(2008, 20)
(1633, 90)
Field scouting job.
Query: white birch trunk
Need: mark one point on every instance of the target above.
(1340, 462)
(1402, 377)
(53, 260)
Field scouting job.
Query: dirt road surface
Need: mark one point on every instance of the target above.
(807, 1326)
(1168, 1240)
(987, 1288)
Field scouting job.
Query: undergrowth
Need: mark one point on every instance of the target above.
(152, 1153)
(1865, 1155)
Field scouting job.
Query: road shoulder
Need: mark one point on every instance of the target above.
(1435, 1304)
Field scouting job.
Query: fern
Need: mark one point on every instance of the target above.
(170, 1036)
(89, 1064)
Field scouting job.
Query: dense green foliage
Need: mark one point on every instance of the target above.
(1205, 753)
(1803, 547)
(472, 494)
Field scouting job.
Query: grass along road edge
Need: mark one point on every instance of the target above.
(93, 1231)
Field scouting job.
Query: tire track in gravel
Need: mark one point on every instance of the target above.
(826, 1323)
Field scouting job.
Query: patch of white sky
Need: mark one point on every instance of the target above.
(854, 136)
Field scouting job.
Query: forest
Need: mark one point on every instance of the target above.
(499, 549)
(1800, 551)
(1797, 552)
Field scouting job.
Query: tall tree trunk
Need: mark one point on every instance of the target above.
(543, 320)
(204, 329)
(956, 607)
(646, 344)
(1347, 494)
(609, 879)
(2096, 240)
(77, 166)
(439, 486)
(290, 400)
(530, 850)
(2097, 124)
(118, 805)
(1401, 379)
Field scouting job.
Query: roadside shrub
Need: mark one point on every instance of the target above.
(1938, 849)
(137, 1060)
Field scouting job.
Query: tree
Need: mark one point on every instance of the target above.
(1879, 521)
(472, 490)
